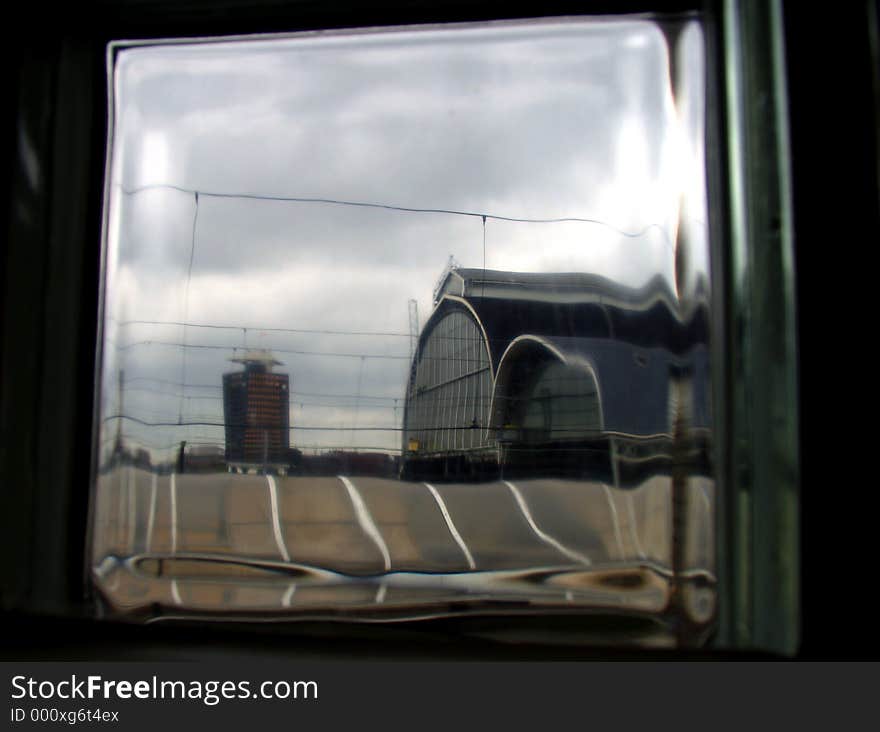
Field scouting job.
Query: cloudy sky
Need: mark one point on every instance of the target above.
(536, 120)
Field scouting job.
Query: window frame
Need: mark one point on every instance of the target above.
(52, 268)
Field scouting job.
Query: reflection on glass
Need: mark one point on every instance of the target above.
(409, 322)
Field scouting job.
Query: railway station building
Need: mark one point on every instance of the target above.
(552, 374)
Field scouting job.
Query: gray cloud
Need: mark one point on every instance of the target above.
(515, 120)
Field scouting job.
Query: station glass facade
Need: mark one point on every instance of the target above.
(451, 388)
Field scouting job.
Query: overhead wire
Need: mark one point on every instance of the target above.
(192, 252)
(324, 201)
(388, 207)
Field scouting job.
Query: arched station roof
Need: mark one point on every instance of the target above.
(507, 305)
(532, 348)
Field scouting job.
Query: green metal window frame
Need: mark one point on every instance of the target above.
(754, 305)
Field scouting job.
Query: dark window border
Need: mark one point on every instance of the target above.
(50, 267)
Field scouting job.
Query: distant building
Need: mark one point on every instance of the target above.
(348, 462)
(205, 459)
(549, 374)
(257, 415)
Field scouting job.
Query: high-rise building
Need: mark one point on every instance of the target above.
(256, 414)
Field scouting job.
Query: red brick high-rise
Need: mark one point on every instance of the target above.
(256, 413)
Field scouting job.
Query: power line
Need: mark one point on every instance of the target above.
(139, 441)
(173, 383)
(219, 387)
(384, 356)
(315, 428)
(171, 344)
(268, 427)
(192, 253)
(292, 394)
(174, 393)
(307, 331)
(201, 441)
(327, 395)
(389, 207)
(440, 399)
